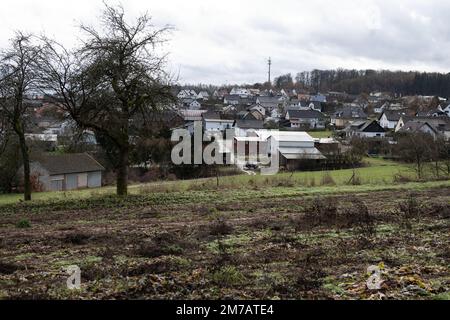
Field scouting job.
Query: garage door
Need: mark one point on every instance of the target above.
(82, 180)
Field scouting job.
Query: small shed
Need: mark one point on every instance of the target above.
(66, 172)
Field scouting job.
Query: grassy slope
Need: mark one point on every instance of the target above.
(321, 134)
(376, 174)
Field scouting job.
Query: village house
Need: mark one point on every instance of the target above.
(259, 108)
(184, 94)
(379, 107)
(389, 119)
(212, 122)
(66, 172)
(203, 95)
(365, 129)
(343, 116)
(432, 113)
(415, 127)
(319, 98)
(242, 92)
(232, 99)
(440, 124)
(220, 94)
(435, 122)
(192, 115)
(270, 103)
(305, 119)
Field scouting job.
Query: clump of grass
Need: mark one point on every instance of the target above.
(23, 224)
(400, 178)
(161, 245)
(220, 227)
(227, 276)
(327, 180)
(355, 179)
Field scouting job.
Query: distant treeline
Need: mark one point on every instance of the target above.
(356, 82)
(359, 81)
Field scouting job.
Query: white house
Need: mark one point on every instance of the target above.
(259, 108)
(389, 119)
(203, 95)
(242, 92)
(184, 94)
(195, 105)
(365, 129)
(307, 119)
(213, 122)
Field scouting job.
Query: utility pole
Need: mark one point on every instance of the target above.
(270, 65)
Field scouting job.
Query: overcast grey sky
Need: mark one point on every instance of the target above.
(226, 42)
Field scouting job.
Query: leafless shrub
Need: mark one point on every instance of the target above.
(409, 210)
(310, 273)
(441, 210)
(357, 216)
(322, 211)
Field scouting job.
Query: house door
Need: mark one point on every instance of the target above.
(82, 180)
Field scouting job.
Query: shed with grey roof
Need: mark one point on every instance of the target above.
(66, 172)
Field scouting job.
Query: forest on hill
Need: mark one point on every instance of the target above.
(359, 81)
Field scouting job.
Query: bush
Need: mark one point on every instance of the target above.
(327, 180)
(409, 210)
(322, 211)
(359, 217)
(23, 224)
(227, 276)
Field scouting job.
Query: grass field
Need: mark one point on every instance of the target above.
(375, 172)
(321, 134)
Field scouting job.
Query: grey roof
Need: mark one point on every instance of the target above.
(350, 112)
(392, 115)
(431, 113)
(249, 124)
(269, 99)
(210, 115)
(305, 114)
(317, 104)
(69, 163)
(364, 126)
(415, 126)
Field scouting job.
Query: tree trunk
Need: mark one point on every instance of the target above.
(122, 172)
(26, 165)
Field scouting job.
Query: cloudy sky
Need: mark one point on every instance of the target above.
(226, 42)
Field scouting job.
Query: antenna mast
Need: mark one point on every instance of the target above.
(270, 65)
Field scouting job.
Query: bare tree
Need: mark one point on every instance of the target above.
(113, 83)
(416, 147)
(17, 79)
